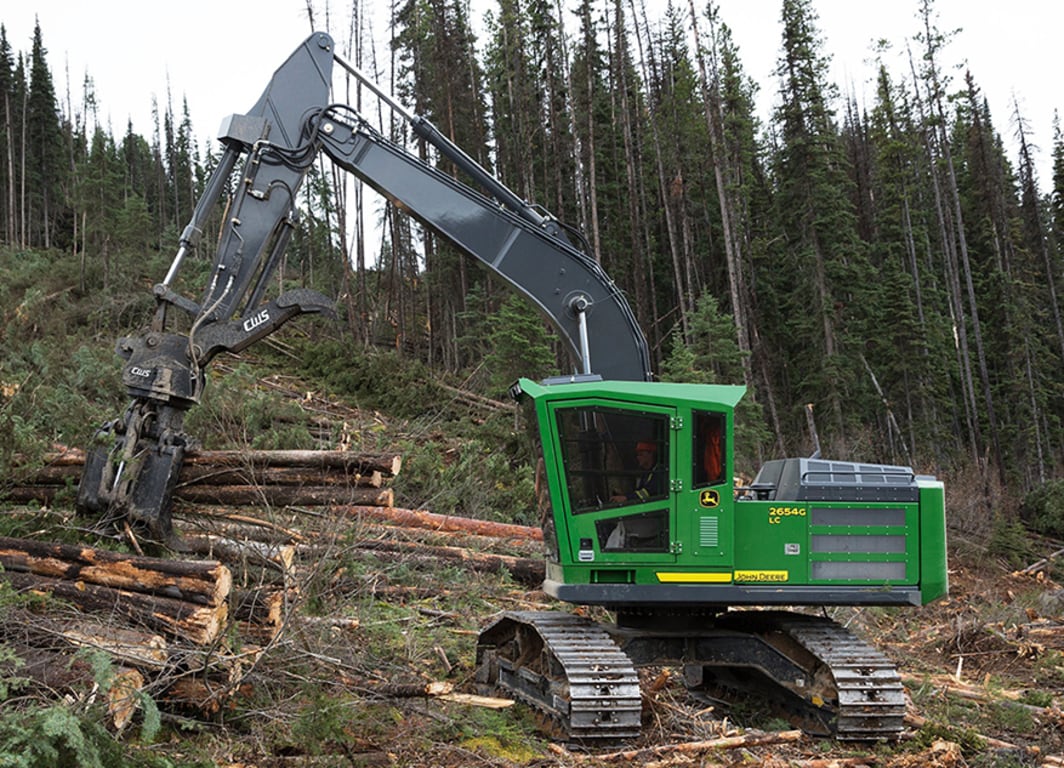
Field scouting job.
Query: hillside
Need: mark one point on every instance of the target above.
(372, 663)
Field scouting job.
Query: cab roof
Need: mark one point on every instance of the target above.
(650, 392)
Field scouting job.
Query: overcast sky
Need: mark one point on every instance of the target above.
(218, 54)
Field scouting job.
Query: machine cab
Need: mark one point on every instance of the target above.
(635, 480)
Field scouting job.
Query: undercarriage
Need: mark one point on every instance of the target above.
(582, 678)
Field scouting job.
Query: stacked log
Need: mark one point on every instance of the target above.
(163, 622)
(246, 477)
(185, 599)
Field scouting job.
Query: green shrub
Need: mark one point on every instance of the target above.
(473, 478)
(1009, 540)
(383, 380)
(1043, 508)
(236, 412)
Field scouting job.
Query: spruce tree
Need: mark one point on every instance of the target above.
(8, 135)
(909, 355)
(44, 166)
(821, 295)
(442, 79)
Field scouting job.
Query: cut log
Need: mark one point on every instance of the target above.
(235, 525)
(123, 697)
(259, 614)
(200, 624)
(206, 474)
(284, 495)
(526, 570)
(64, 455)
(417, 518)
(206, 582)
(277, 556)
(144, 650)
(387, 464)
(201, 696)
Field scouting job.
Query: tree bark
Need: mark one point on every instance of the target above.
(417, 518)
(196, 623)
(201, 582)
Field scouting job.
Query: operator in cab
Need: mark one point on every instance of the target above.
(651, 480)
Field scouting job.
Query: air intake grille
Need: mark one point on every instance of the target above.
(709, 532)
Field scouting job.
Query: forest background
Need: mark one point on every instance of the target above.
(887, 262)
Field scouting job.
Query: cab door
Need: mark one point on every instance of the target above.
(617, 465)
(705, 508)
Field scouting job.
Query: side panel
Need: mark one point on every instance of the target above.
(934, 574)
(827, 543)
(705, 505)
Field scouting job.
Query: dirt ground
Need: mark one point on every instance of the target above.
(371, 624)
(984, 671)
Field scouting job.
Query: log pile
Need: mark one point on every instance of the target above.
(256, 527)
(160, 620)
(274, 478)
(187, 599)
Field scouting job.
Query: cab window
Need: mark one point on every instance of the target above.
(708, 451)
(613, 457)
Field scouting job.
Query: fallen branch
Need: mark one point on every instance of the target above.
(752, 739)
(473, 399)
(969, 692)
(916, 721)
(1034, 568)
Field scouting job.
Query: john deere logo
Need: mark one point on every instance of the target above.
(709, 498)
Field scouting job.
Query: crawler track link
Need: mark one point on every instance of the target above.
(868, 689)
(566, 668)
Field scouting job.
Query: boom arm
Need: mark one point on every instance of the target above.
(569, 288)
(282, 136)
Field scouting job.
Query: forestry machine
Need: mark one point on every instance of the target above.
(696, 571)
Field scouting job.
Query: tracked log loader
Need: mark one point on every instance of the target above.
(635, 482)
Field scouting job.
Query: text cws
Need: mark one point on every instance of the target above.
(255, 321)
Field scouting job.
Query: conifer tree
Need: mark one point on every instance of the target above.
(44, 166)
(915, 338)
(434, 37)
(820, 300)
(677, 145)
(8, 135)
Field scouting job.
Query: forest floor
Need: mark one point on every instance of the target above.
(984, 672)
(374, 665)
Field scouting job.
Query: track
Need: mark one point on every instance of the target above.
(869, 695)
(568, 669)
(809, 669)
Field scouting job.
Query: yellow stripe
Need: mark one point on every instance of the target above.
(695, 578)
